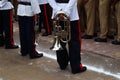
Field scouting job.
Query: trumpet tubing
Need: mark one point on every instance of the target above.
(61, 29)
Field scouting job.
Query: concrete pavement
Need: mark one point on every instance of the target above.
(101, 59)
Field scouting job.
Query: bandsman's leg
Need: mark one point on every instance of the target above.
(117, 41)
(90, 19)
(104, 7)
(8, 29)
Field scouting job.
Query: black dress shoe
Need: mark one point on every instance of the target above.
(45, 34)
(1, 44)
(82, 69)
(11, 46)
(110, 36)
(101, 40)
(95, 35)
(87, 36)
(116, 42)
(24, 54)
(37, 56)
(1, 41)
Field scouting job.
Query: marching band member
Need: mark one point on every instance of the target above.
(74, 45)
(6, 25)
(26, 11)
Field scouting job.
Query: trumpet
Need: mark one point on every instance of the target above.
(61, 29)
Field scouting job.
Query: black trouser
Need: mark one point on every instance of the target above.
(74, 49)
(6, 27)
(45, 18)
(27, 35)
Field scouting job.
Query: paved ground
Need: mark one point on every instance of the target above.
(101, 59)
(105, 49)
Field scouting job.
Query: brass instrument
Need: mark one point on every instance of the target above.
(61, 28)
(36, 29)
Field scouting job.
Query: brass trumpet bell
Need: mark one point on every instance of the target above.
(56, 46)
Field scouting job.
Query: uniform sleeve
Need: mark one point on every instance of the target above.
(35, 6)
(54, 5)
(70, 5)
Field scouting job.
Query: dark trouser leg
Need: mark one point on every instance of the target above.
(23, 36)
(62, 57)
(75, 46)
(41, 18)
(47, 18)
(8, 28)
(1, 29)
(30, 35)
(27, 36)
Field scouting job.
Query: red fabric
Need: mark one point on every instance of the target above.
(79, 30)
(11, 29)
(81, 66)
(46, 19)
